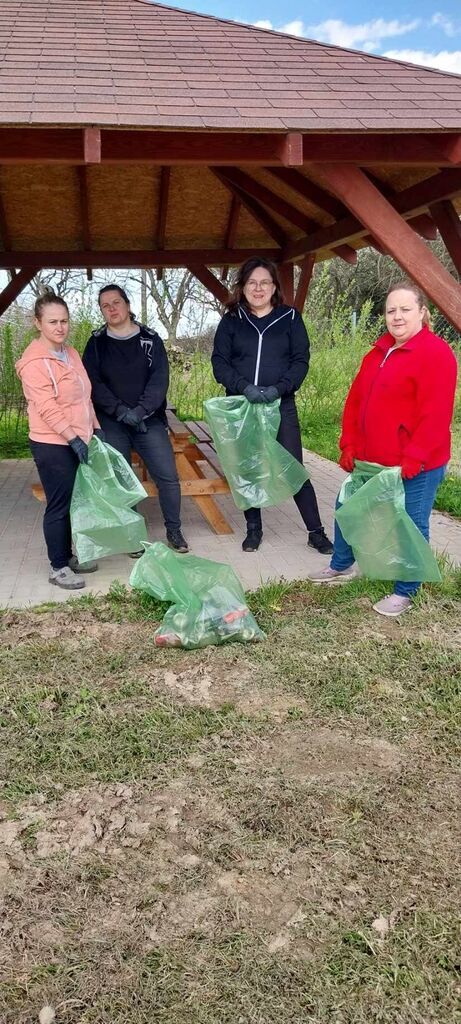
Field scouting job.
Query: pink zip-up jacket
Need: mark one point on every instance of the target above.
(58, 394)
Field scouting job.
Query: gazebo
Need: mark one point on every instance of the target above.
(134, 134)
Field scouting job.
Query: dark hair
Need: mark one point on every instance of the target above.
(409, 286)
(48, 298)
(115, 288)
(244, 273)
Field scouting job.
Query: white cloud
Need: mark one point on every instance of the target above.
(445, 60)
(367, 35)
(339, 33)
(446, 24)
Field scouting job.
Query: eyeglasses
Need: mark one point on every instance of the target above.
(259, 284)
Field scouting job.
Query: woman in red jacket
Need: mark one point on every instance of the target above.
(398, 413)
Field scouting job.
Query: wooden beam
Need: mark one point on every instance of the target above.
(231, 230)
(250, 187)
(307, 267)
(365, 201)
(111, 259)
(80, 145)
(162, 212)
(260, 214)
(419, 149)
(84, 212)
(92, 145)
(15, 287)
(209, 281)
(412, 200)
(286, 275)
(449, 225)
(308, 190)
(422, 223)
(5, 238)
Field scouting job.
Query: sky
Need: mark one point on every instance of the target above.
(419, 31)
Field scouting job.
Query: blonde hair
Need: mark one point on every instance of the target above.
(409, 286)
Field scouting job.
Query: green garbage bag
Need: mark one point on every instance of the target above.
(260, 472)
(386, 543)
(208, 606)
(102, 519)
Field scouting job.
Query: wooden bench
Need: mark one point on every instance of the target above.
(199, 470)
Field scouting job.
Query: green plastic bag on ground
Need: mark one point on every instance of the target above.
(260, 472)
(208, 606)
(102, 519)
(386, 543)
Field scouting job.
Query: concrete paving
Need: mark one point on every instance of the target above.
(283, 555)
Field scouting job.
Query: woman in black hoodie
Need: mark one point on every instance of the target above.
(261, 350)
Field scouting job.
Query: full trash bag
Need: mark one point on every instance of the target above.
(102, 519)
(260, 472)
(208, 606)
(386, 543)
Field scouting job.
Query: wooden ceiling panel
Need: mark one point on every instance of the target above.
(42, 207)
(122, 204)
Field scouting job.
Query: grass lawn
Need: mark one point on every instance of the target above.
(241, 835)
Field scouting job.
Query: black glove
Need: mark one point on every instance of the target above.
(121, 411)
(141, 428)
(253, 393)
(80, 448)
(270, 394)
(133, 417)
(99, 433)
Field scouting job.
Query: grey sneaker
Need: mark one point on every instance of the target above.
(66, 579)
(392, 606)
(77, 566)
(329, 575)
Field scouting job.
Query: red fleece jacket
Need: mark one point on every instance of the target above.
(401, 405)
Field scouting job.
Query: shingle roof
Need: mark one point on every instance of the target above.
(134, 63)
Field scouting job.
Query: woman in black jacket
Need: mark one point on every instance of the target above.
(261, 350)
(128, 369)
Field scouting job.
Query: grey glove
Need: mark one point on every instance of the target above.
(253, 393)
(80, 448)
(270, 394)
(121, 411)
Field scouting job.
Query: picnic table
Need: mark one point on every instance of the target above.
(199, 470)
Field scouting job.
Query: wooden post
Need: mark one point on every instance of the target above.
(449, 225)
(209, 281)
(287, 280)
(15, 287)
(302, 289)
(376, 213)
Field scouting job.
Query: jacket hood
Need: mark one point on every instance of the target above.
(36, 350)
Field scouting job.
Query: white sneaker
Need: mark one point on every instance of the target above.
(330, 575)
(66, 579)
(392, 605)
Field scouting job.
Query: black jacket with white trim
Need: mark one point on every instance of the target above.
(268, 350)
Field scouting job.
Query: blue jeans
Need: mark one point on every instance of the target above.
(155, 449)
(419, 498)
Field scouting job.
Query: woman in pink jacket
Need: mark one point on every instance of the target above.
(61, 422)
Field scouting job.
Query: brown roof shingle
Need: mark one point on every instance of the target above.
(135, 63)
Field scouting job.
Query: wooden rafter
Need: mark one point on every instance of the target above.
(16, 286)
(162, 211)
(422, 223)
(412, 200)
(286, 275)
(257, 211)
(231, 230)
(449, 225)
(119, 259)
(84, 212)
(376, 213)
(209, 281)
(92, 145)
(279, 205)
(307, 267)
(386, 148)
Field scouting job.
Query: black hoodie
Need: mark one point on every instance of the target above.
(268, 350)
(129, 371)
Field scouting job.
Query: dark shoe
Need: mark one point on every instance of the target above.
(319, 540)
(252, 540)
(176, 541)
(84, 567)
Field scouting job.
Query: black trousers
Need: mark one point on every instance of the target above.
(57, 465)
(289, 436)
(156, 450)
